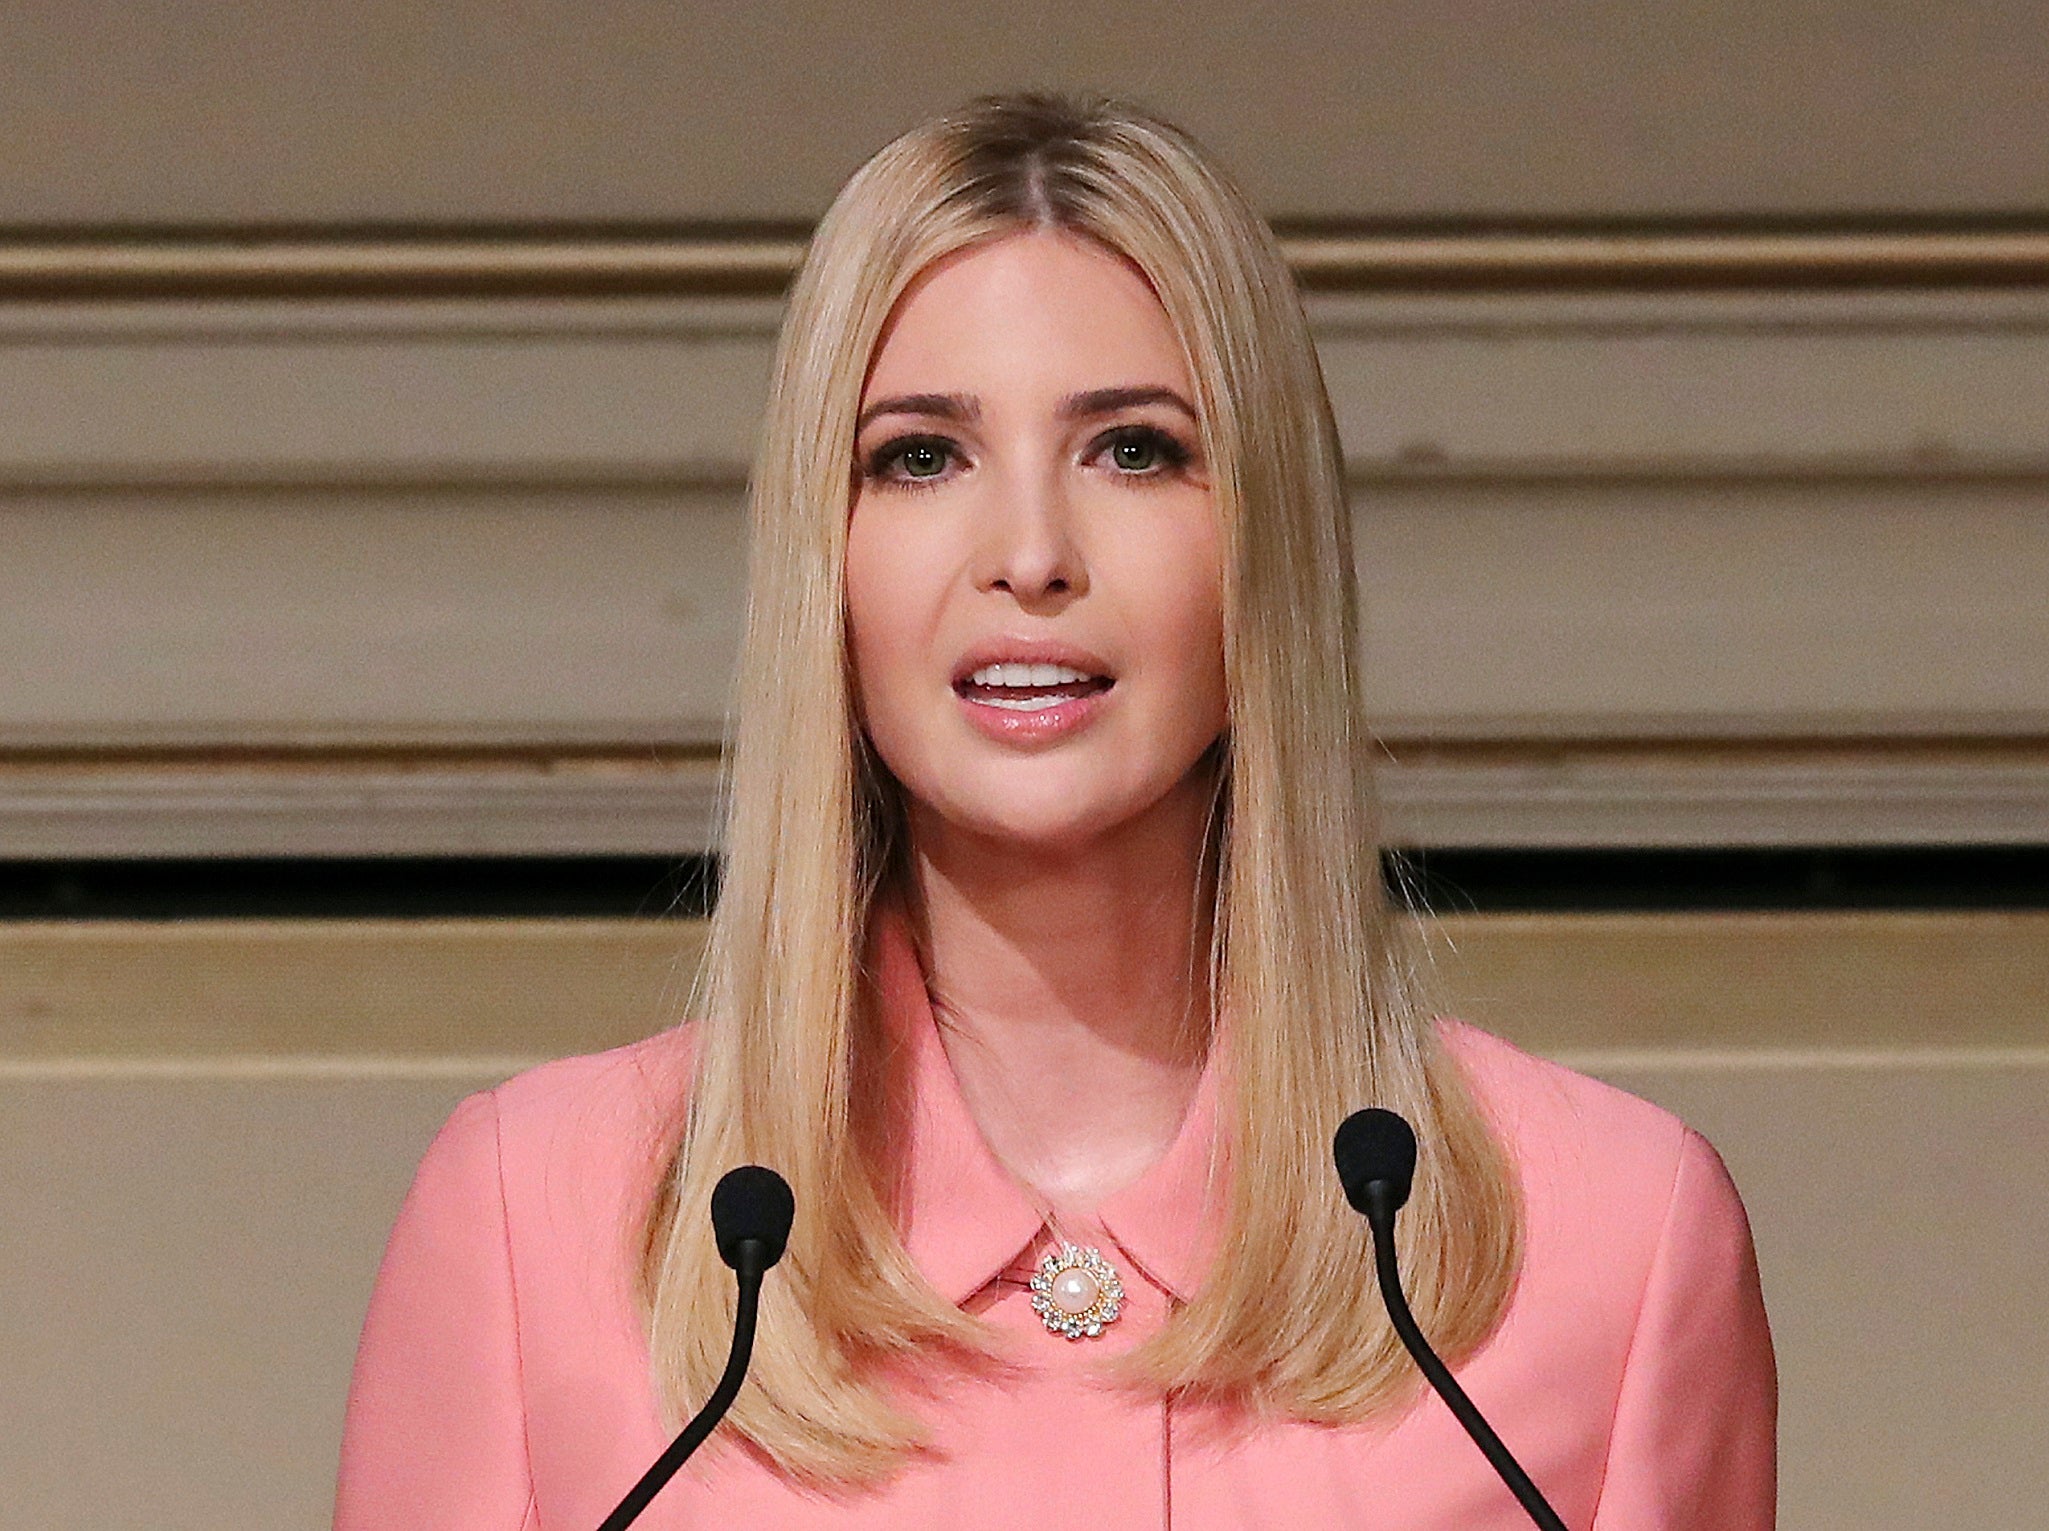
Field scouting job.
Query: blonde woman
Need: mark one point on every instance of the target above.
(1052, 922)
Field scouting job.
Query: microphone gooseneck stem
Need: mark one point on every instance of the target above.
(752, 1266)
(1380, 1211)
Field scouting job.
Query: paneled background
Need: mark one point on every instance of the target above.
(1681, 567)
(376, 392)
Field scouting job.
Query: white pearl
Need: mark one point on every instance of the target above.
(1075, 1291)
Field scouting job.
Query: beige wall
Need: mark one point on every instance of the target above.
(464, 110)
(205, 1130)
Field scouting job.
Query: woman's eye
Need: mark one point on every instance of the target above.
(911, 459)
(923, 459)
(1134, 456)
(1143, 450)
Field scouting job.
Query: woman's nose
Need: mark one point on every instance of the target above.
(1029, 548)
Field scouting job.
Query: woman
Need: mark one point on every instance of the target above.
(1051, 947)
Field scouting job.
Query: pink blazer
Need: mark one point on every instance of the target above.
(502, 1382)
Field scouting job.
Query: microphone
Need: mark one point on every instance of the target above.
(751, 1212)
(1375, 1152)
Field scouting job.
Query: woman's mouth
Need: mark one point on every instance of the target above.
(1030, 687)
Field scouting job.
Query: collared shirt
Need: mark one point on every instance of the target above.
(503, 1378)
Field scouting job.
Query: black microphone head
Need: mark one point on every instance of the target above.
(1371, 1145)
(752, 1202)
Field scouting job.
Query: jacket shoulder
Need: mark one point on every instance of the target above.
(638, 1084)
(1556, 1122)
(1607, 1181)
(583, 1141)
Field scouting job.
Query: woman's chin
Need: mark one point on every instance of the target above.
(1063, 825)
(1015, 833)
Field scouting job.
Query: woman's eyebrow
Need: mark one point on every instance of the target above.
(943, 406)
(1107, 401)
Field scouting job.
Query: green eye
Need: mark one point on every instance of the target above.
(923, 459)
(1135, 454)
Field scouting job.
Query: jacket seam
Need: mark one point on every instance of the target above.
(1636, 1323)
(526, 1445)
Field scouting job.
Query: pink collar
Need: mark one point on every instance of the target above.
(967, 1220)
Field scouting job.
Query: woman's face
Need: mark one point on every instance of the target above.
(1034, 571)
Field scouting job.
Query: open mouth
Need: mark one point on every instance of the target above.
(1029, 687)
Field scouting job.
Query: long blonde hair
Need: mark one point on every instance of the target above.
(1309, 959)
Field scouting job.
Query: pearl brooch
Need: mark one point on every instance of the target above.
(1076, 1292)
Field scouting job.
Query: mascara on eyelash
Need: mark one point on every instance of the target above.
(877, 464)
(1174, 454)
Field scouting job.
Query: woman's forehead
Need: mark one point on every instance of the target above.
(1035, 311)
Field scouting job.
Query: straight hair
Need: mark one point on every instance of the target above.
(1313, 970)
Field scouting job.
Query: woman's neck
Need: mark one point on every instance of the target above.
(1073, 991)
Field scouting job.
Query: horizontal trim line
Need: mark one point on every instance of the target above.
(302, 265)
(1707, 1060)
(327, 482)
(628, 801)
(263, 1068)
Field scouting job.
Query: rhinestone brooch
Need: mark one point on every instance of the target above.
(1076, 1292)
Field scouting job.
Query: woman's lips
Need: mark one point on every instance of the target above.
(1030, 713)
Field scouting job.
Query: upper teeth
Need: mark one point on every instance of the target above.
(1026, 675)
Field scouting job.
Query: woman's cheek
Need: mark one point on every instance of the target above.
(1187, 619)
(888, 631)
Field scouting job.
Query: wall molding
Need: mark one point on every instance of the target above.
(643, 803)
(647, 802)
(482, 1070)
(489, 547)
(660, 394)
(1678, 796)
(258, 263)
